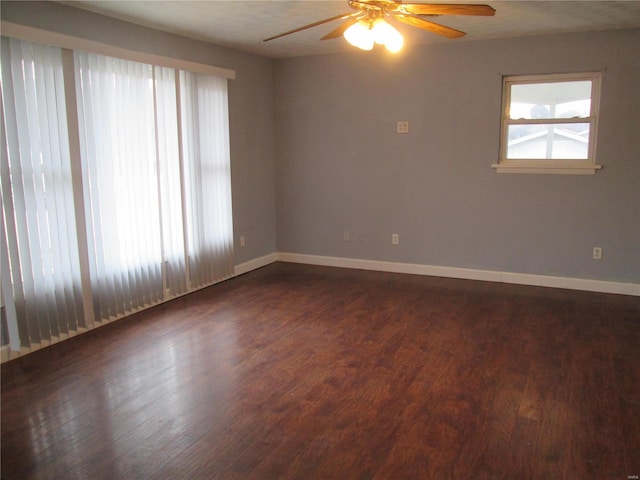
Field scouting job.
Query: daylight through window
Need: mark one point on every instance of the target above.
(549, 123)
(139, 214)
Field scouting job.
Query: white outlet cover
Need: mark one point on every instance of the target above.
(402, 126)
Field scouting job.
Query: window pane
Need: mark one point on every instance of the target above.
(169, 180)
(205, 133)
(39, 238)
(566, 141)
(118, 146)
(551, 100)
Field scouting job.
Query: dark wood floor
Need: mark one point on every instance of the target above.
(308, 372)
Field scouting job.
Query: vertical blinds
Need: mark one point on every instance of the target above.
(204, 107)
(116, 116)
(154, 156)
(40, 266)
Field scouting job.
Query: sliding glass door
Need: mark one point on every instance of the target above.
(40, 265)
(155, 188)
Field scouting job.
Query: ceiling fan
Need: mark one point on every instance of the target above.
(367, 24)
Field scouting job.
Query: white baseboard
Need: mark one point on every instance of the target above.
(466, 273)
(254, 264)
(394, 267)
(7, 354)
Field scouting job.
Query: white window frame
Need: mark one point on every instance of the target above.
(37, 35)
(557, 166)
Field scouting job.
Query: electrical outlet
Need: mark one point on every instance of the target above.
(243, 241)
(402, 126)
(395, 239)
(597, 253)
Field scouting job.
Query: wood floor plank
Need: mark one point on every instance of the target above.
(295, 371)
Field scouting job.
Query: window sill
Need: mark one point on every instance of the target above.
(553, 167)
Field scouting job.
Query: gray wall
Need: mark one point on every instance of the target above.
(333, 162)
(251, 107)
(341, 166)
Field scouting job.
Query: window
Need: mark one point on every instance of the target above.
(549, 123)
(141, 213)
(40, 266)
(158, 218)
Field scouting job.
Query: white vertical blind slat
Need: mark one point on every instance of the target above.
(11, 287)
(54, 315)
(86, 81)
(13, 291)
(28, 246)
(68, 258)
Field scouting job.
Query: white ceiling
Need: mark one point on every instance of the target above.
(242, 24)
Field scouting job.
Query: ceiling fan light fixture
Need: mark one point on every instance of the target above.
(364, 33)
(360, 35)
(380, 31)
(358, 28)
(383, 33)
(392, 39)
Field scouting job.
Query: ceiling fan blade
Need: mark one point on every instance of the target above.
(311, 25)
(430, 26)
(342, 28)
(446, 9)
